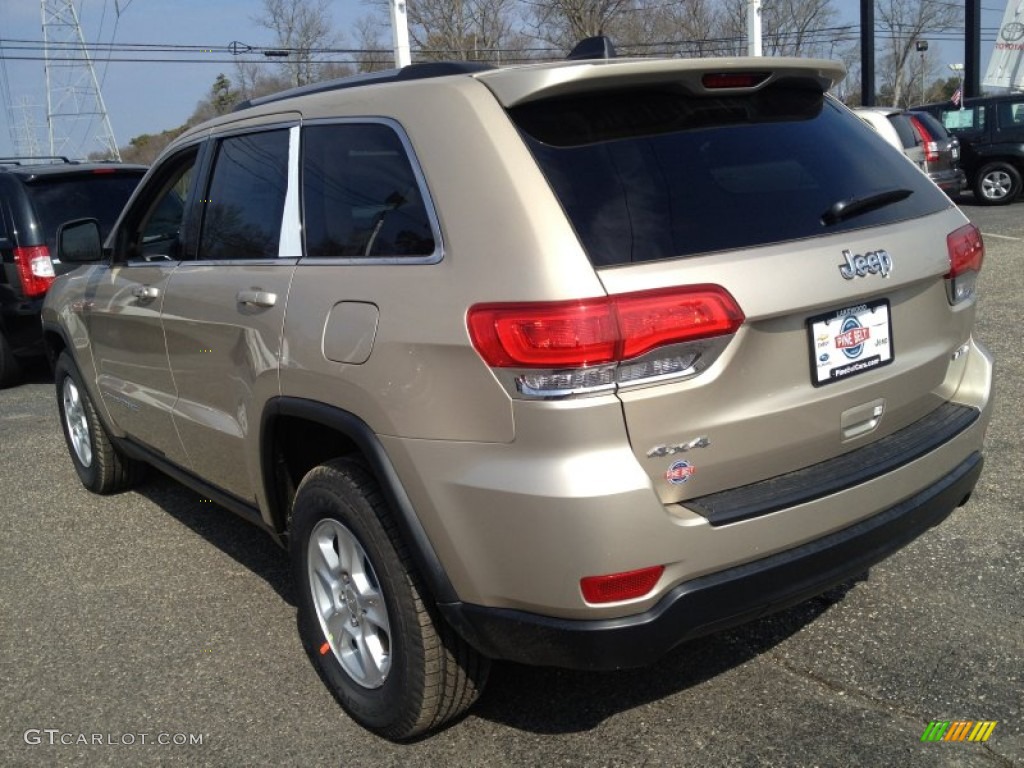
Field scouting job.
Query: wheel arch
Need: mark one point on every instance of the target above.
(298, 434)
(54, 342)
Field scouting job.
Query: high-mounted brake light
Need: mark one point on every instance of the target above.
(35, 270)
(966, 254)
(573, 347)
(616, 587)
(713, 80)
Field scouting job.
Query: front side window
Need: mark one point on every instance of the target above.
(244, 204)
(155, 227)
(1011, 114)
(361, 198)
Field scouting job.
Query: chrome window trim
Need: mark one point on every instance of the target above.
(428, 201)
(290, 242)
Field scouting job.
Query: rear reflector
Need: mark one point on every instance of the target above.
(616, 587)
(609, 329)
(966, 254)
(35, 270)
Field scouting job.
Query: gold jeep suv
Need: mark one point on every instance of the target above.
(562, 363)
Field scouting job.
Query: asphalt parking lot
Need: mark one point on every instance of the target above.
(164, 628)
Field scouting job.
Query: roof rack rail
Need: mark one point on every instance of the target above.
(33, 158)
(411, 72)
(599, 47)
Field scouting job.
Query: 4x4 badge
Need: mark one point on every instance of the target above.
(872, 262)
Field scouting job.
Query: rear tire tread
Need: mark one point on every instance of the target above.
(454, 674)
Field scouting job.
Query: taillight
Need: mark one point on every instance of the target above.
(616, 587)
(931, 148)
(596, 344)
(35, 270)
(966, 254)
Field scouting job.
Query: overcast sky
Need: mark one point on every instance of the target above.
(151, 97)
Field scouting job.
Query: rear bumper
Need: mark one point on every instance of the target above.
(715, 601)
(950, 182)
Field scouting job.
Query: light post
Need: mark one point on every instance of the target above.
(922, 48)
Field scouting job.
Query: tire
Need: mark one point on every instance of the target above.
(10, 368)
(100, 467)
(364, 617)
(997, 183)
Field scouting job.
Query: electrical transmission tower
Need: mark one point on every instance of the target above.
(76, 116)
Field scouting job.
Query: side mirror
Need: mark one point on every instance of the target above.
(78, 241)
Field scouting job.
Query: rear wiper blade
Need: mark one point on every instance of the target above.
(845, 209)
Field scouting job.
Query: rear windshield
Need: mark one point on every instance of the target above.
(905, 130)
(649, 174)
(99, 196)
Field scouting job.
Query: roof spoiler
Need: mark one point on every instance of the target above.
(599, 47)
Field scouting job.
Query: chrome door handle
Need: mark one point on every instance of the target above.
(145, 292)
(257, 298)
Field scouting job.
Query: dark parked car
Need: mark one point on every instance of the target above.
(991, 133)
(923, 139)
(35, 198)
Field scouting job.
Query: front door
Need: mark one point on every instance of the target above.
(125, 300)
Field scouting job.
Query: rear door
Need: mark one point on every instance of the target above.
(223, 313)
(1009, 127)
(834, 254)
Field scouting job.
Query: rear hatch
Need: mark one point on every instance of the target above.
(98, 193)
(941, 149)
(736, 194)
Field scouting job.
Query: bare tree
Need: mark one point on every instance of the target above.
(374, 55)
(303, 28)
(563, 23)
(467, 30)
(904, 23)
(789, 27)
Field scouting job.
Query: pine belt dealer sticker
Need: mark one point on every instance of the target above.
(850, 341)
(680, 472)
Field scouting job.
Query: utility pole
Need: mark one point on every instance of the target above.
(400, 32)
(754, 47)
(867, 53)
(972, 48)
(74, 103)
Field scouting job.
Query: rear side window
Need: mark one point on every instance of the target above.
(245, 202)
(966, 119)
(658, 174)
(360, 196)
(99, 196)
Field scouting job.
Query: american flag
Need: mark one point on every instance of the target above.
(955, 98)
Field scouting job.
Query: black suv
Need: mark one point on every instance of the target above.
(991, 133)
(35, 197)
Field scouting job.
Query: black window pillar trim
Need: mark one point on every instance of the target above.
(359, 432)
